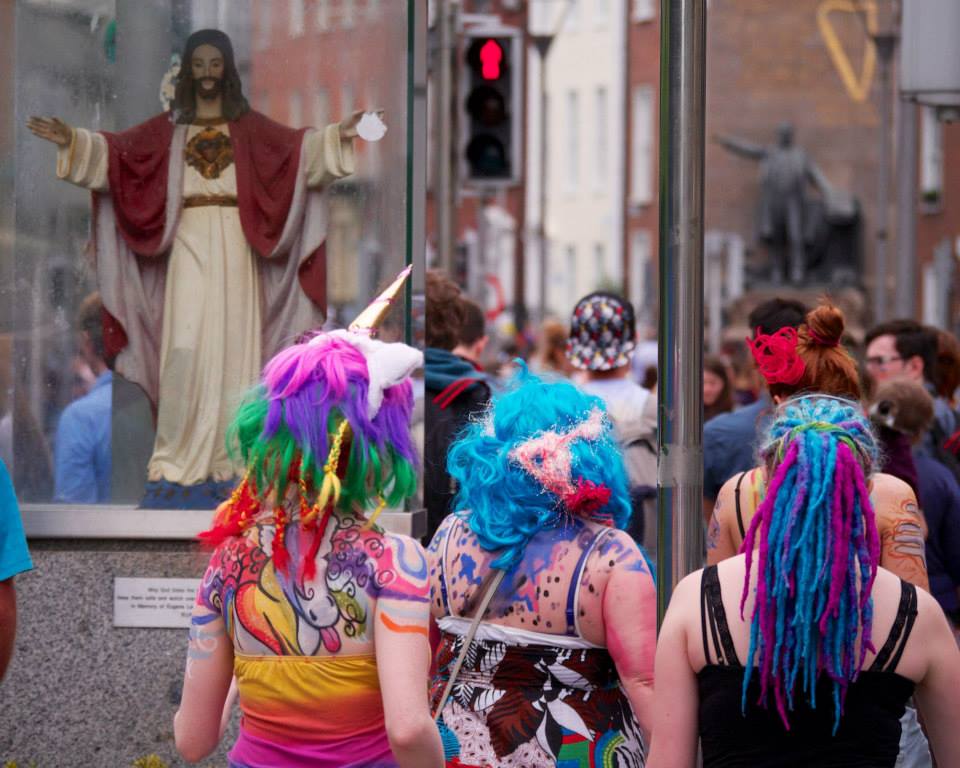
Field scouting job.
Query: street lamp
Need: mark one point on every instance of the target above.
(542, 42)
(881, 23)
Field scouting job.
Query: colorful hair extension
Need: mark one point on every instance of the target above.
(507, 504)
(818, 551)
(307, 426)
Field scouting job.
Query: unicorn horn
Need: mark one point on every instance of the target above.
(368, 320)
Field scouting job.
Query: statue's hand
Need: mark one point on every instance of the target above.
(52, 129)
(348, 126)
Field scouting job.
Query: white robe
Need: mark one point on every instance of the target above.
(210, 351)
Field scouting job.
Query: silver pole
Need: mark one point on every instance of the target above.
(680, 418)
(542, 45)
(446, 19)
(906, 291)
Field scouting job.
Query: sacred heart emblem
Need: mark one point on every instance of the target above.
(209, 152)
(858, 88)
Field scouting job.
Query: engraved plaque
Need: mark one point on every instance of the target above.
(139, 602)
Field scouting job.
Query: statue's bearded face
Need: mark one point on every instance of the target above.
(206, 66)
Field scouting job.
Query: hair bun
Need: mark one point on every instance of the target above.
(825, 325)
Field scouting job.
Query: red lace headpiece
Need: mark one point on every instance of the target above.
(776, 356)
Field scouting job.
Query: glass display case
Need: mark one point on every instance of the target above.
(146, 280)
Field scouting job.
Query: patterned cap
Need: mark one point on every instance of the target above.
(602, 333)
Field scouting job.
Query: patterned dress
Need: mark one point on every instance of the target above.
(528, 699)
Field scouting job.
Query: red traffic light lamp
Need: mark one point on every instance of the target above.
(491, 55)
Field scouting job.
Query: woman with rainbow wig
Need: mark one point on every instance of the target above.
(560, 670)
(803, 651)
(320, 615)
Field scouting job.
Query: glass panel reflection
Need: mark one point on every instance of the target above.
(212, 234)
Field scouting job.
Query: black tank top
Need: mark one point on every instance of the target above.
(869, 732)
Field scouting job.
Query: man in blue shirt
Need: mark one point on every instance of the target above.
(14, 559)
(82, 450)
(730, 439)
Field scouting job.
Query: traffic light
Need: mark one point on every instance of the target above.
(491, 104)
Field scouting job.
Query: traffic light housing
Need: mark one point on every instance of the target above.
(490, 146)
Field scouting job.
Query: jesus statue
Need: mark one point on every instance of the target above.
(208, 229)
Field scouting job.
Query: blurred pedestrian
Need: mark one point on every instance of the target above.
(82, 452)
(717, 390)
(320, 615)
(562, 601)
(550, 354)
(905, 349)
(813, 361)
(802, 651)
(902, 412)
(730, 439)
(473, 338)
(602, 338)
(14, 560)
(454, 390)
(947, 376)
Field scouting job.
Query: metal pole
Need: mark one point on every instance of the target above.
(884, 45)
(446, 19)
(542, 45)
(906, 290)
(680, 417)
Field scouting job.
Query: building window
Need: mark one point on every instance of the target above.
(644, 10)
(573, 16)
(323, 15)
(297, 12)
(295, 110)
(600, 264)
(573, 285)
(348, 16)
(601, 161)
(321, 108)
(640, 284)
(373, 10)
(931, 157)
(641, 167)
(573, 140)
(601, 13)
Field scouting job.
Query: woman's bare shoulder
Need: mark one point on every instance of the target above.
(886, 487)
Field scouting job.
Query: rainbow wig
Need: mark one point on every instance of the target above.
(336, 392)
(511, 474)
(818, 551)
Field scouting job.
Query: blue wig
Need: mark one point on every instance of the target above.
(507, 505)
(817, 553)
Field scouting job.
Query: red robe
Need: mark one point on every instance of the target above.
(135, 222)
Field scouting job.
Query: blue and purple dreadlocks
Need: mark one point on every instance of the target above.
(818, 551)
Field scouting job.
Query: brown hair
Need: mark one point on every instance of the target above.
(828, 367)
(474, 326)
(947, 376)
(551, 348)
(724, 402)
(444, 315)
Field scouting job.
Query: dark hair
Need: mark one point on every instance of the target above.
(724, 402)
(777, 313)
(185, 99)
(947, 376)
(828, 367)
(911, 340)
(474, 325)
(90, 322)
(444, 313)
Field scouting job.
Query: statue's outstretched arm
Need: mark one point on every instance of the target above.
(818, 179)
(741, 147)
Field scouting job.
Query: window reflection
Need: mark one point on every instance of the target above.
(70, 429)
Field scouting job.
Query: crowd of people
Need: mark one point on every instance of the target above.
(522, 629)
